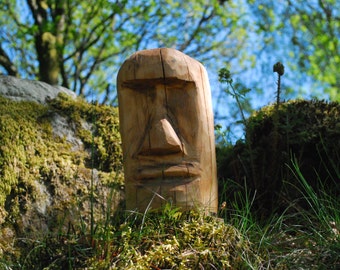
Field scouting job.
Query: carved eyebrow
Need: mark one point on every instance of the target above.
(148, 83)
(138, 85)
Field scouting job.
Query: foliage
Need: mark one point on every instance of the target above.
(166, 239)
(317, 226)
(170, 239)
(307, 130)
(238, 92)
(297, 238)
(306, 33)
(81, 45)
(280, 185)
(306, 238)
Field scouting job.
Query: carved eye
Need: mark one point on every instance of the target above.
(182, 109)
(139, 85)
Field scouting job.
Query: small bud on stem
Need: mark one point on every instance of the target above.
(280, 69)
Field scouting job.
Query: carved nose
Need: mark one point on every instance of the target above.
(161, 140)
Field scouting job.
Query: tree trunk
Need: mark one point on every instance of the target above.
(46, 46)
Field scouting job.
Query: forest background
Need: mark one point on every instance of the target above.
(81, 45)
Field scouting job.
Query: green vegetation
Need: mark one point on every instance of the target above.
(170, 239)
(60, 200)
(306, 131)
(280, 184)
(277, 212)
(37, 164)
(104, 137)
(307, 35)
(82, 46)
(298, 237)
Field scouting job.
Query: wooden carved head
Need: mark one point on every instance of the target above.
(167, 129)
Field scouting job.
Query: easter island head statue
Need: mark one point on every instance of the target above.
(167, 129)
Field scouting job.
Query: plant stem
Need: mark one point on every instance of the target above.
(278, 90)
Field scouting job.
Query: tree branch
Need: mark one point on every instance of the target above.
(203, 19)
(38, 11)
(6, 62)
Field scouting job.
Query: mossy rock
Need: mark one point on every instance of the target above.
(60, 167)
(306, 132)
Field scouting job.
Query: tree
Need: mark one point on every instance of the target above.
(307, 33)
(81, 44)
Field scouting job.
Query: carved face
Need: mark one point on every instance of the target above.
(167, 131)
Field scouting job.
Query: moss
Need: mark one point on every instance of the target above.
(306, 130)
(103, 138)
(299, 120)
(49, 45)
(169, 239)
(18, 136)
(46, 182)
(182, 241)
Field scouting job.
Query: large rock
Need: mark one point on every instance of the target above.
(60, 161)
(27, 90)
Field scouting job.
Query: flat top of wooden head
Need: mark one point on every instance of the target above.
(159, 64)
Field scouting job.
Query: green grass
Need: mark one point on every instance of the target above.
(298, 238)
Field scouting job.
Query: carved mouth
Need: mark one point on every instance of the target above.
(168, 173)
